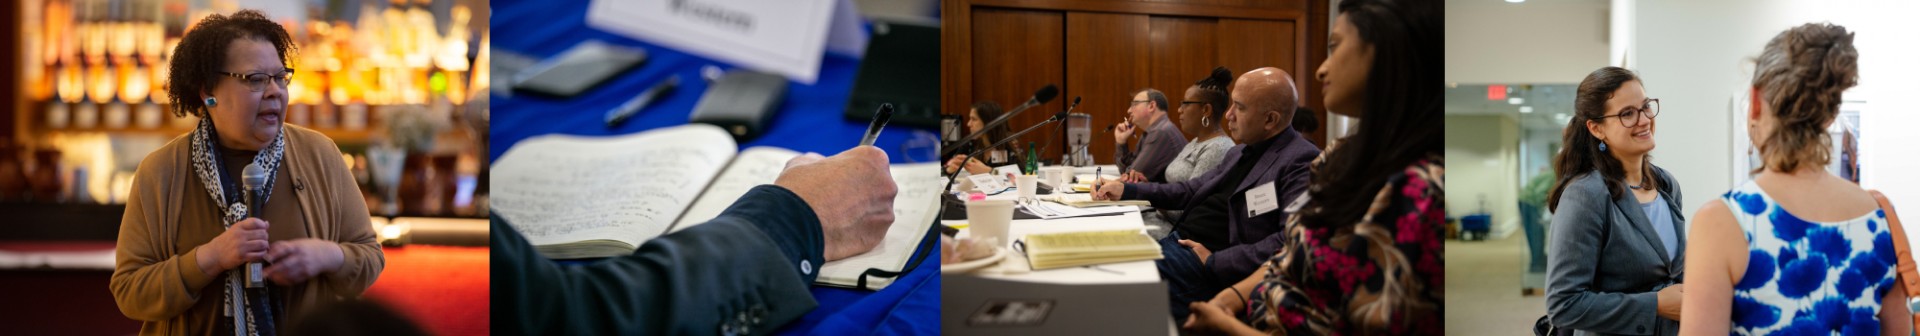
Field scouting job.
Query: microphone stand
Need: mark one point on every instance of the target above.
(1043, 96)
(1002, 120)
(1063, 131)
(948, 190)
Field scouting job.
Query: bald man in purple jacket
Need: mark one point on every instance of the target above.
(1235, 216)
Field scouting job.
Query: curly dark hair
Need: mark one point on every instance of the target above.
(202, 55)
(1801, 74)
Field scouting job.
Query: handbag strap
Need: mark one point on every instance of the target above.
(1909, 275)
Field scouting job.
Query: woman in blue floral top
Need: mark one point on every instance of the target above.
(1797, 250)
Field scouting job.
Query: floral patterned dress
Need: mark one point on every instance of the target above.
(1382, 275)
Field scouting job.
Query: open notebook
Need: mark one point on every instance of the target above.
(590, 197)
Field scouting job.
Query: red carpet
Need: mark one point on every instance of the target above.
(444, 289)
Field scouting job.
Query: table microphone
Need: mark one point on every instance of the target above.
(1042, 96)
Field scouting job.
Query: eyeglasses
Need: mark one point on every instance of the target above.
(1138, 102)
(1631, 116)
(258, 81)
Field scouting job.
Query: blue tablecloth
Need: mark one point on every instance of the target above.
(810, 120)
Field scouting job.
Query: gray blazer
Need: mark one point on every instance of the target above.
(1605, 262)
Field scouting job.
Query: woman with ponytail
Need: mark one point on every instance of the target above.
(1797, 250)
(1614, 263)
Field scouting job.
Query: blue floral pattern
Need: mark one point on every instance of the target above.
(1808, 278)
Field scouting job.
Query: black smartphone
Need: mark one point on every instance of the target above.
(578, 69)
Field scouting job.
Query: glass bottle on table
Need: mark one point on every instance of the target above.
(1033, 160)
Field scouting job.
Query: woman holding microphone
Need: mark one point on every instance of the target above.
(187, 236)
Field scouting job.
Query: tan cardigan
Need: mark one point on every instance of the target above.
(155, 281)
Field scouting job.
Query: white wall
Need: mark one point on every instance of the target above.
(1490, 41)
(1483, 164)
(1696, 56)
(1693, 56)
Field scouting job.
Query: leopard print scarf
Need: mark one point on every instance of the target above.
(226, 194)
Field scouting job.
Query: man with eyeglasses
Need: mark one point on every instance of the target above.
(1158, 146)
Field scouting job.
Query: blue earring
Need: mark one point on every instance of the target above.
(210, 102)
(1603, 145)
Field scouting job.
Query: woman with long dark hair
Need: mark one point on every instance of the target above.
(977, 118)
(1365, 254)
(1614, 264)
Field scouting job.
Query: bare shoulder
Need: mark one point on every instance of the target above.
(1715, 211)
(1713, 225)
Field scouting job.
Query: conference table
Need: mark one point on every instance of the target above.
(809, 120)
(1132, 272)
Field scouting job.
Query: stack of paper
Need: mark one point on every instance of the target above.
(1051, 210)
(1085, 200)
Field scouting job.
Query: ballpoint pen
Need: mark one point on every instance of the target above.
(631, 107)
(879, 121)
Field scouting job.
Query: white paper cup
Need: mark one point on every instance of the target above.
(1025, 184)
(1059, 177)
(990, 219)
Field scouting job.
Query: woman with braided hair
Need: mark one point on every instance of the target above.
(1797, 250)
(1201, 114)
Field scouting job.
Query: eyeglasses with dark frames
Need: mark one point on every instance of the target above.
(257, 81)
(1630, 116)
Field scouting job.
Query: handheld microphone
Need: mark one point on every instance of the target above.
(1043, 96)
(253, 183)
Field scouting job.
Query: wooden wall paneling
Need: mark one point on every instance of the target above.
(1289, 34)
(1246, 9)
(956, 57)
(1107, 61)
(1014, 53)
(1249, 44)
(1184, 50)
(1316, 51)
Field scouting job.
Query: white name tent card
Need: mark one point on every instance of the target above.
(786, 37)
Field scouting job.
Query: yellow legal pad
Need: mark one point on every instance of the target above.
(1069, 249)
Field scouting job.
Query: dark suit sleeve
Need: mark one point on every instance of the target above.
(1572, 263)
(1174, 196)
(1240, 260)
(745, 271)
